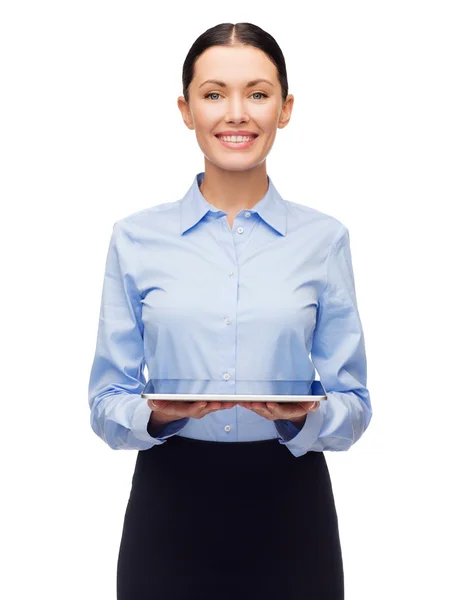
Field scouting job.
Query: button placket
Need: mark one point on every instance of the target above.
(228, 298)
(229, 353)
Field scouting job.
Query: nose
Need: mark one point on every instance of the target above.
(236, 111)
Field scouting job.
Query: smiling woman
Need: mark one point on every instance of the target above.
(234, 85)
(230, 283)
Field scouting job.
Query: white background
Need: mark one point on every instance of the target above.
(90, 132)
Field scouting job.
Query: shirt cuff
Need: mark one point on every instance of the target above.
(286, 429)
(140, 421)
(303, 440)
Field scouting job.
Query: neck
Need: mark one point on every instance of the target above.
(233, 191)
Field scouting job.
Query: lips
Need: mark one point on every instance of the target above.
(237, 145)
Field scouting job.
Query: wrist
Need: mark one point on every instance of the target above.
(156, 424)
(299, 421)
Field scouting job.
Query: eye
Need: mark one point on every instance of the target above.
(261, 94)
(217, 94)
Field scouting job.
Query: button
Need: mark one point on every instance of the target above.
(227, 428)
(230, 273)
(240, 230)
(228, 321)
(226, 376)
(247, 215)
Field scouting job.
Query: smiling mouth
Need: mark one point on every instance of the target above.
(241, 145)
(254, 136)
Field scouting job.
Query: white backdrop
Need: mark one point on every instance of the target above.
(90, 132)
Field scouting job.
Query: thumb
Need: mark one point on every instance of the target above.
(158, 404)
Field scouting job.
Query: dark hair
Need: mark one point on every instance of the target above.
(233, 34)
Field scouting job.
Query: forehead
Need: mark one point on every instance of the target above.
(234, 64)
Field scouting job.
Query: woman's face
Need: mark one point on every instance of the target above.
(215, 108)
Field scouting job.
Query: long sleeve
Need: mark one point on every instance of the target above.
(287, 430)
(338, 353)
(119, 415)
(171, 428)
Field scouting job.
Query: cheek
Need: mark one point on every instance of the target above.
(203, 120)
(266, 119)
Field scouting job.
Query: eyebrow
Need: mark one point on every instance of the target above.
(223, 84)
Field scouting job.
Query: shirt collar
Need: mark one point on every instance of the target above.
(194, 207)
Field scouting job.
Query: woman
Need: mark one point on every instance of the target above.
(229, 285)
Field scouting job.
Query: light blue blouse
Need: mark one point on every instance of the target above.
(272, 298)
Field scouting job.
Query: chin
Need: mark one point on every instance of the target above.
(233, 165)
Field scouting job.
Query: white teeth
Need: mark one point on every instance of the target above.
(236, 138)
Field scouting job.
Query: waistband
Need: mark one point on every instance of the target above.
(179, 450)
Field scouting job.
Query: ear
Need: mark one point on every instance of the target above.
(185, 112)
(285, 114)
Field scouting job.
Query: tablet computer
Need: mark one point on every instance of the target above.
(190, 390)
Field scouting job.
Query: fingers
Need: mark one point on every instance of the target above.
(158, 404)
(214, 406)
(281, 410)
(310, 406)
(180, 410)
(170, 410)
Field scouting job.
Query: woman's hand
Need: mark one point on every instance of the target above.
(166, 411)
(290, 411)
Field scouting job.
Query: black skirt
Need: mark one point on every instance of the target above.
(220, 520)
